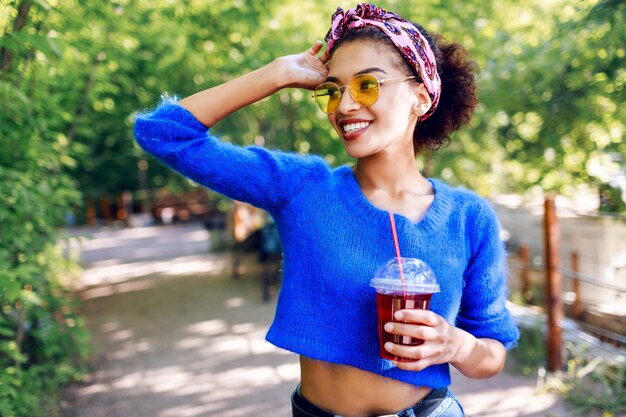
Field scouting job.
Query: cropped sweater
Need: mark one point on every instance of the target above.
(334, 240)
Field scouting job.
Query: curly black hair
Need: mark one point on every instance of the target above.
(458, 75)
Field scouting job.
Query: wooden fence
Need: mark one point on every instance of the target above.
(553, 286)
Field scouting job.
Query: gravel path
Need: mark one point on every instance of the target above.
(175, 336)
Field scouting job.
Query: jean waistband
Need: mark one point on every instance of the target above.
(301, 407)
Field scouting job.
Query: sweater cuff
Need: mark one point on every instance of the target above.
(169, 109)
(503, 329)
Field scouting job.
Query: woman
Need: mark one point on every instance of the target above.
(390, 91)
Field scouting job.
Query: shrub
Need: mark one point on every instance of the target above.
(42, 339)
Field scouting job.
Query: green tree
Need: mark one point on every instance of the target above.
(41, 337)
(551, 103)
(552, 93)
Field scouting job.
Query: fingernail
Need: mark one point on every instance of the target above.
(398, 315)
(388, 327)
(389, 346)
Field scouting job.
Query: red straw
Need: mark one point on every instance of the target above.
(396, 244)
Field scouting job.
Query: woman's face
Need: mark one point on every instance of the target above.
(388, 124)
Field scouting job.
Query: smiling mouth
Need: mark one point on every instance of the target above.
(354, 127)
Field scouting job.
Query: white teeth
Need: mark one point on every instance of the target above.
(353, 127)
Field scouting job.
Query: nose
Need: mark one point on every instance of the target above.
(347, 103)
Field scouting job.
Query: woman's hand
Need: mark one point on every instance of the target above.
(443, 343)
(474, 358)
(441, 340)
(305, 70)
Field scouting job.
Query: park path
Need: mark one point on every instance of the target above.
(175, 336)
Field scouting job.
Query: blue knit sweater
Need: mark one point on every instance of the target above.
(334, 239)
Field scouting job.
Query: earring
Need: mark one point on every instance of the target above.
(419, 112)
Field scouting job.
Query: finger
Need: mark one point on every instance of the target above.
(325, 57)
(409, 352)
(315, 48)
(413, 366)
(425, 317)
(412, 330)
(426, 351)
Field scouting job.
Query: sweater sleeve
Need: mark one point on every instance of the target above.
(483, 310)
(263, 178)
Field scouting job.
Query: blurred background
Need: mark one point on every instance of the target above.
(74, 74)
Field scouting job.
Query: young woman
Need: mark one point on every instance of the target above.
(390, 91)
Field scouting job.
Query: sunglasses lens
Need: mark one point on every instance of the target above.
(365, 89)
(327, 97)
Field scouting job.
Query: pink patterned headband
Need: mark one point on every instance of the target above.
(411, 44)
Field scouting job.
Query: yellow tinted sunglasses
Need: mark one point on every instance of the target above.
(364, 90)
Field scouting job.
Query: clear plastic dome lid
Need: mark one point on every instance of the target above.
(418, 277)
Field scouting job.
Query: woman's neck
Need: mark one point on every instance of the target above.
(394, 176)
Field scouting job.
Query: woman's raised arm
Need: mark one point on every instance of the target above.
(304, 70)
(176, 134)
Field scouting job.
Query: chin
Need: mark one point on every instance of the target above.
(357, 153)
(363, 148)
(352, 151)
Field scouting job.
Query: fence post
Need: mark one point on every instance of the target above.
(91, 213)
(105, 205)
(524, 255)
(577, 307)
(124, 204)
(554, 305)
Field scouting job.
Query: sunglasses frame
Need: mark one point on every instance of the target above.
(352, 96)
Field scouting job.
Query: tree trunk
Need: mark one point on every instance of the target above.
(6, 56)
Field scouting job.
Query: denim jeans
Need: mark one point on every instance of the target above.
(439, 403)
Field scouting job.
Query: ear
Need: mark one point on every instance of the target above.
(423, 100)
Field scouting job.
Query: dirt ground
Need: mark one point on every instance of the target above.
(175, 336)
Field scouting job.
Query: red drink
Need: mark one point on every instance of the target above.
(387, 305)
(401, 284)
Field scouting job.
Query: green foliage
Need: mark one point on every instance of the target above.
(530, 353)
(42, 340)
(611, 200)
(596, 386)
(551, 90)
(591, 386)
(612, 400)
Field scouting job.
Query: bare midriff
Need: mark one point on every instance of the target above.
(351, 392)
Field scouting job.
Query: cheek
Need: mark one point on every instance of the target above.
(395, 111)
(332, 118)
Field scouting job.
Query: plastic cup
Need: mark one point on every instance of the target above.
(401, 283)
